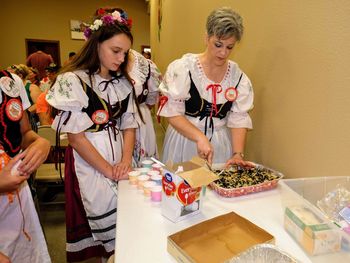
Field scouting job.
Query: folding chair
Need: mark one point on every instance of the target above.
(51, 173)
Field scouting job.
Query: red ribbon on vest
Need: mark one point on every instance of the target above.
(215, 88)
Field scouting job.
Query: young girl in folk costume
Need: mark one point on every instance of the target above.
(207, 98)
(146, 78)
(95, 98)
(21, 237)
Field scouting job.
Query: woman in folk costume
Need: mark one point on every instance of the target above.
(207, 98)
(146, 78)
(96, 105)
(21, 236)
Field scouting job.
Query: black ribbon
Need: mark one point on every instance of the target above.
(206, 113)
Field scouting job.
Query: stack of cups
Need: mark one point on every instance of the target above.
(133, 177)
(147, 163)
(156, 193)
(149, 179)
(156, 177)
(156, 167)
(142, 179)
(147, 186)
(143, 170)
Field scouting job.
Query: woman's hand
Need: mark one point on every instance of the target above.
(205, 149)
(237, 159)
(120, 170)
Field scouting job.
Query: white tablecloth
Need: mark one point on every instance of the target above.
(142, 231)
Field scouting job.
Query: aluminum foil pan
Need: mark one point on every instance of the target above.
(263, 253)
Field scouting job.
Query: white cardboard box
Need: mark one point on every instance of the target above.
(182, 188)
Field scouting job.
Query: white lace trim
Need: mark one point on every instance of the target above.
(117, 90)
(89, 242)
(202, 81)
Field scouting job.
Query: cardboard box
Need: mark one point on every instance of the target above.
(216, 240)
(313, 232)
(182, 188)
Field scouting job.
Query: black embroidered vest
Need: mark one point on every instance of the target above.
(96, 103)
(196, 106)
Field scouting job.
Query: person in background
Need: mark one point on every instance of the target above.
(96, 104)
(33, 92)
(51, 71)
(146, 78)
(33, 76)
(71, 55)
(39, 60)
(22, 239)
(207, 98)
(43, 109)
(146, 54)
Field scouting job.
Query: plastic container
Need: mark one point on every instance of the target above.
(311, 191)
(141, 180)
(133, 175)
(147, 164)
(156, 193)
(147, 186)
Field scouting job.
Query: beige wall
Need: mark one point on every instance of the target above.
(298, 57)
(50, 20)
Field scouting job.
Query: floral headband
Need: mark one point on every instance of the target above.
(107, 19)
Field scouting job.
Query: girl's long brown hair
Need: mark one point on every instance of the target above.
(87, 58)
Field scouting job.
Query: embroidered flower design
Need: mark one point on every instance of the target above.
(64, 87)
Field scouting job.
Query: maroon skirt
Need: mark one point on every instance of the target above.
(77, 226)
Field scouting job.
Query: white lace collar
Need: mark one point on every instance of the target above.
(117, 90)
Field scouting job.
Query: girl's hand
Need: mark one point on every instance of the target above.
(35, 154)
(205, 149)
(120, 170)
(4, 259)
(10, 181)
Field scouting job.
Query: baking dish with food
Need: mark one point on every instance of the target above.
(237, 181)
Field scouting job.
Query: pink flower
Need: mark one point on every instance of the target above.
(108, 20)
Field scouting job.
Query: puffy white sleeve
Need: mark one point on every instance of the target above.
(239, 114)
(175, 86)
(68, 96)
(22, 92)
(153, 84)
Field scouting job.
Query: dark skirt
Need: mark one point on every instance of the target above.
(77, 226)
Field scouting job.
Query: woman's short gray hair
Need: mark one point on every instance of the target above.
(224, 23)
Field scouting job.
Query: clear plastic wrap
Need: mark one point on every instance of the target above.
(333, 202)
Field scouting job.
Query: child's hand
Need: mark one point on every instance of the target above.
(120, 170)
(4, 259)
(10, 181)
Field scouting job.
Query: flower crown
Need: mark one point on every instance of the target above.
(107, 19)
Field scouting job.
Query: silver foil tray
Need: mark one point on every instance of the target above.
(263, 253)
